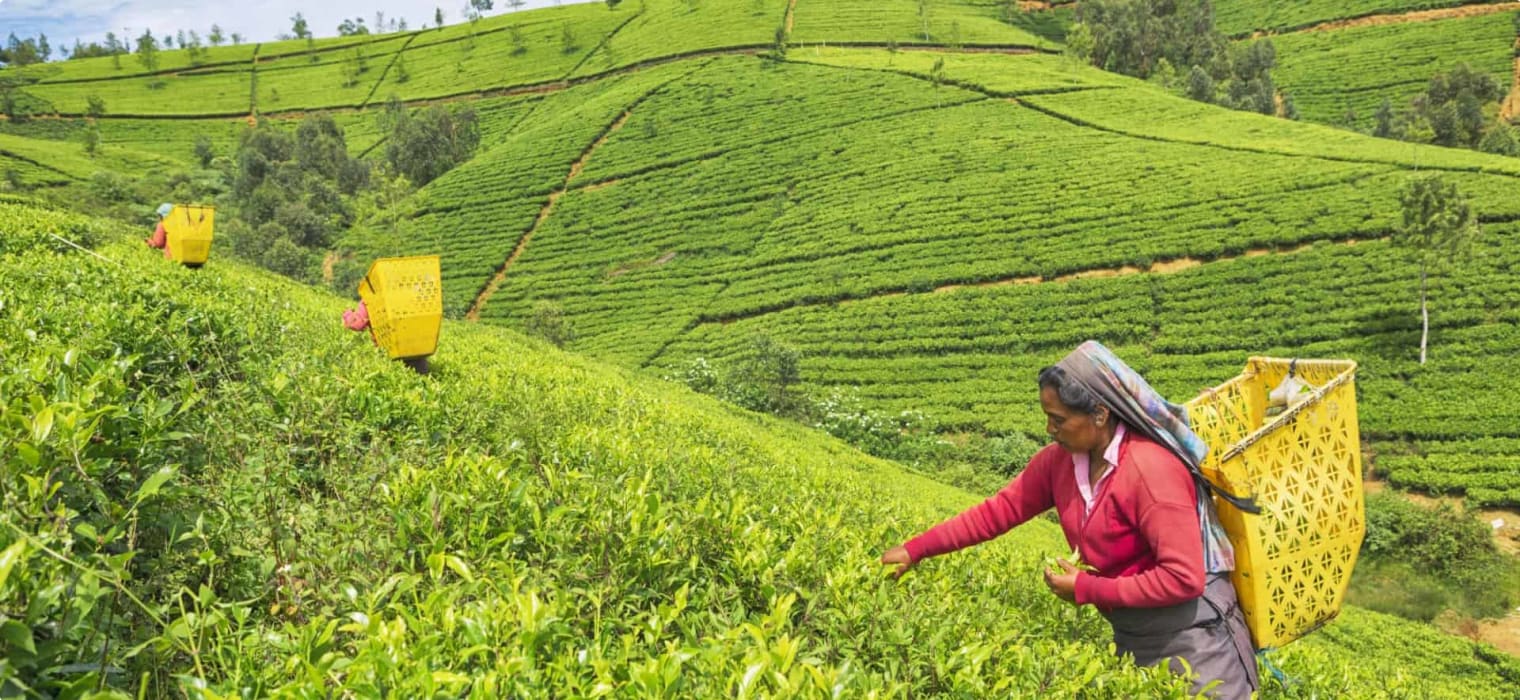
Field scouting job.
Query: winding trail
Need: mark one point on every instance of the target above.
(1161, 267)
(1399, 18)
(1510, 110)
(543, 214)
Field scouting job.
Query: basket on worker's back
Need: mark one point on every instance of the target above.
(1304, 466)
(404, 298)
(188, 228)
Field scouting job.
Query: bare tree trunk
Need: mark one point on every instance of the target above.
(1424, 317)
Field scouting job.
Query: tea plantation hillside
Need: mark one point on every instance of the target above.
(704, 205)
(927, 226)
(213, 490)
(1340, 60)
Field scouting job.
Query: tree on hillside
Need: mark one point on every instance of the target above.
(519, 46)
(1383, 120)
(1200, 86)
(292, 194)
(1079, 43)
(298, 26)
(237, 39)
(438, 17)
(96, 107)
(352, 27)
(147, 51)
(216, 37)
(403, 74)
(204, 153)
(425, 144)
(20, 52)
(116, 48)
(765, 378)
(547, 320)
(1453, 105)
(197, 52)
(92, 139)
(1143, 37)
(612, 4)
(1456, 109)
(1501, 139)
(1439, 227)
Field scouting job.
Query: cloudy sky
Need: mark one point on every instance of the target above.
(257, 20)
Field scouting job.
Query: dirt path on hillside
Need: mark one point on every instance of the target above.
(791, 15)
(522, 243)
(1161, 267)
(1402, 18)
(625, 268)
(1005, 50)
(1510, 110)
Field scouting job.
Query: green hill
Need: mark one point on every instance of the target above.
(677, 193)
(1333, 72)
(927, 224)
(287, 513)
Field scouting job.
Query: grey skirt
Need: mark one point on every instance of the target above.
(1209, 632)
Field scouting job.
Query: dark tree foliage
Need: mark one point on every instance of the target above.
(1143, 37)
(290, 192)
(425, 144)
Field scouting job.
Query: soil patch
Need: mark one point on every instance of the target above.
(625, 268)
(1404, 18)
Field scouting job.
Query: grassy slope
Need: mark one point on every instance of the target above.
(902, 21)
(779, 206)
(1235, 17)
(773, 209)
(1331, 72)
(520, 520)
(69, 157)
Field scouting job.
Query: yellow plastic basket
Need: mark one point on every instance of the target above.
(1304, 466)
(189, 232)
(404, 297)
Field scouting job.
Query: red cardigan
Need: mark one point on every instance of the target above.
(1143, 535)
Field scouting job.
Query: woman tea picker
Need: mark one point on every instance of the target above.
(1123, 477)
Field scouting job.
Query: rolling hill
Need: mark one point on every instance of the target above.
(929, 205)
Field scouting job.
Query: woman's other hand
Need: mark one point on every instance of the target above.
(1062, 583)
(898, 555)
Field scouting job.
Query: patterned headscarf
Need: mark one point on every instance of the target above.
(1129, 396)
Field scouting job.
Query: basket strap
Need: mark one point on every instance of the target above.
(1277, 673)
(1244, 503)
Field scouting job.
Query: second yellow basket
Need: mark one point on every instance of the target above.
(404, 297)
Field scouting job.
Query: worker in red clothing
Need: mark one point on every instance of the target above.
(1123, 477)
(357, 319)
(160, 237)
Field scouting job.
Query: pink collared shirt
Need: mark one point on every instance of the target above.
(1081, 464)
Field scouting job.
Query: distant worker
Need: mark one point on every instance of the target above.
(160, 238)
(357, 319)
(1123, 477)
